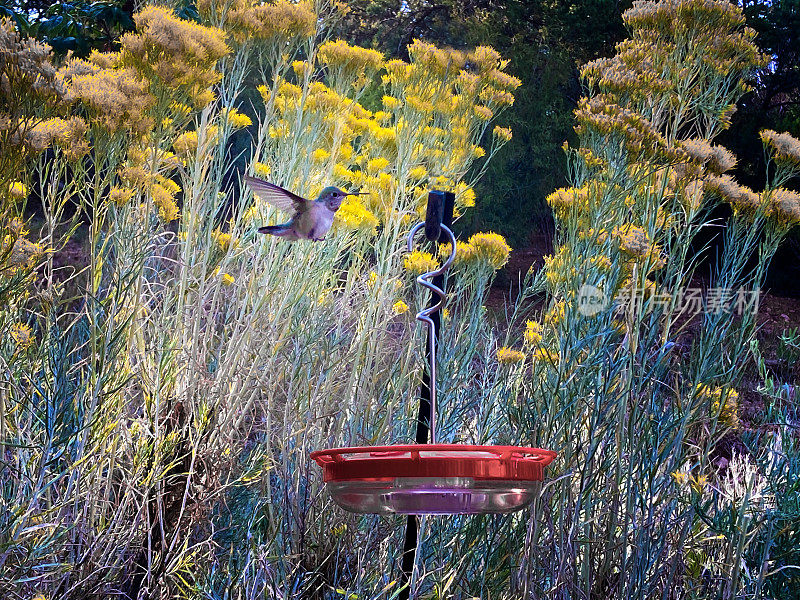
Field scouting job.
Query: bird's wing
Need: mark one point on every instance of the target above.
(276, 195)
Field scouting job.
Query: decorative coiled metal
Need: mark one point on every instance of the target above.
(425, 315)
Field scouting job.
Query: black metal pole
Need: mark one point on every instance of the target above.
(439, 212)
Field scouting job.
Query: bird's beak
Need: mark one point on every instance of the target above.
(357, 194)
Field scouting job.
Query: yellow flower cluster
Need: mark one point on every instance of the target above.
(785, 149)
(560, 267)
(465, 253)
(115, 99)
(391, 103)
(30, 92)
(634, 242)
(302, 69)
(68, 134)
(602, 116)
(222, 240)
(696, 482)
(185, 145)
(352, 215)
(556, 314)
(147, 170)
(602, 263)
(245, 20)
(18, 190)
(104, 60)
(261, 169)
(23, 336)
(740, 197)
(546, 356)
(673, 16)
(348, 64)
(481, 249)
(592, 161)
(163, 195)
(723, 403)
(372, 279)
(418, 262)
(465, 195)
(533, 333)
(19, 253)
(718, 158)
(630, 73)
(174, 55)
(784, 205)
(683, 183)
(418, 173)
(509, 356)
(567, 200)
(121, 195)
(320, 155)
(16, 227)
(26, 62)
(490, 248)
(484, 113)
(375, 165)
(438, 60)
(502, 133)
(399, 307)
(236, 119)
(697, 149)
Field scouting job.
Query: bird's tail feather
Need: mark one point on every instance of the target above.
(279, 230)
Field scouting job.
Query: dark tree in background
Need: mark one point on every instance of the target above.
(545, 50)
(775, 101)
(77, 26)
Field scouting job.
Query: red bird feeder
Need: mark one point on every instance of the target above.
(433, 479)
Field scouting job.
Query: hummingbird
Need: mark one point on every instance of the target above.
(311, 219)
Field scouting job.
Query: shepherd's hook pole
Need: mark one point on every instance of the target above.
(438, 221)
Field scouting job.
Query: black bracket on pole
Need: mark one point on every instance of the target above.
(439, 212)
(434, 214)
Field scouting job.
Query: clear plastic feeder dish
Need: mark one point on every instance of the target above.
(435, 479)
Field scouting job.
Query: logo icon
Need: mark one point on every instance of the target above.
(591, 300)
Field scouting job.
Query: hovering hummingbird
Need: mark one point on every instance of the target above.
(311, 219)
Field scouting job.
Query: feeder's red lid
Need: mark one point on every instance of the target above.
(384, 463)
